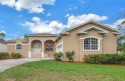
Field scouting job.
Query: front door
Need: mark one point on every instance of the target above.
(37, 48)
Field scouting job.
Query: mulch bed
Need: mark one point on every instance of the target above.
(90, 63)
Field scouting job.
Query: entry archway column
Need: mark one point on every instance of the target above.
(42, 54)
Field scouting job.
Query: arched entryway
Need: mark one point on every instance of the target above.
(36, 46)
(49, 48)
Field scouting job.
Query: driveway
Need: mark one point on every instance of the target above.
(6, 64)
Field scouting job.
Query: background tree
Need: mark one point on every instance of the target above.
(121, 44)
(121, 38)
(2, 35)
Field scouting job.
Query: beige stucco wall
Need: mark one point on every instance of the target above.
(23, 52)
(71, 42)
(74, 42)
(11, 47)
(3, 47)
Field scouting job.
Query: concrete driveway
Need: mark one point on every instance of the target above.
(6, 64)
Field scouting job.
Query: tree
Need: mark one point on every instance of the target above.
(2, 35)
(121, 44)
(121, 38)
(121, 25)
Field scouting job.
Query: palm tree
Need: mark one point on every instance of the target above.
(2, 35)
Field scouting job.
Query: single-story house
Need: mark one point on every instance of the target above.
(87, 38)
(3, 45)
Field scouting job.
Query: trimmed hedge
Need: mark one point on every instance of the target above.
(105, 58)
(58, 56)
(16, 55)
(4, 55)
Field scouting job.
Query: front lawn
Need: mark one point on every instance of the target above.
(63, 71)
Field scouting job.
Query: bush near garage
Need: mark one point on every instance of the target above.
(105, 58)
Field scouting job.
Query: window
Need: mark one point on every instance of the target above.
(18, 46)
(49, 45)
(59, 48)
(48, 48)
(91, 44)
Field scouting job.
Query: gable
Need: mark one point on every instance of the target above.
(98, 29)
(92, 25)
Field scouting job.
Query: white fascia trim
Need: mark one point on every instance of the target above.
(99, 39)
(82, 32)
(64, 33)
(90, 37)
(95, 28)
(71, 28)
(33, 40)
(102, 32)
(17, 43)
(117, 33)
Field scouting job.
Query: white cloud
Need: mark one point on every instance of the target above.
(44, 27)
(82, 1)
(117, 23)
(39, 26)
(9, 3)
(67, 15)
(48, 14)
(71, 8)
(75, 20)
(2, 31)
(36, 19)
(33, 6)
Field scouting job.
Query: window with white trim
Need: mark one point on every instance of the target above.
(91, 44)
(59, 48)
(18, 46)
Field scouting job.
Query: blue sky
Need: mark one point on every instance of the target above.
(20, 17)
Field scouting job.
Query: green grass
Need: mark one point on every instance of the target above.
(63, 71)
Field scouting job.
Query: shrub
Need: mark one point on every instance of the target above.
(105, 59)
(69, 55)
(16, 55)
(4, 55)
(58, 56)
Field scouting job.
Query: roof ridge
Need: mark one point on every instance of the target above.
(86, 23)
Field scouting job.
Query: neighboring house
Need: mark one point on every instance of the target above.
(3, 46)
(88, 38)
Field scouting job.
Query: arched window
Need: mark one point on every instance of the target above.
(36, 46)
(91, 44)
(18, 46)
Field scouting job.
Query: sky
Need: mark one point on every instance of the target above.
(20, 17)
